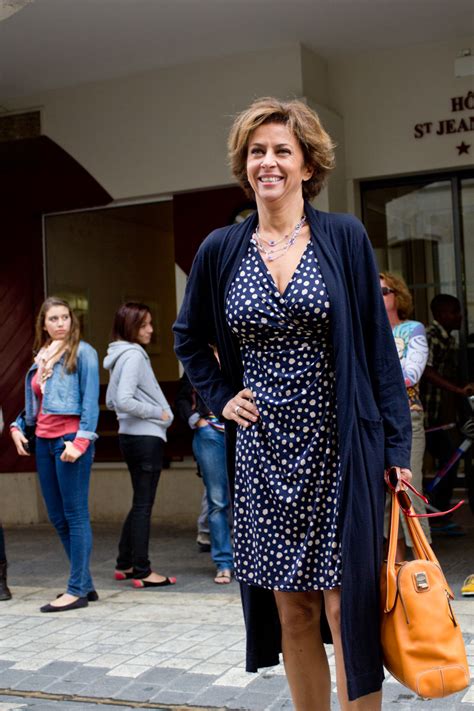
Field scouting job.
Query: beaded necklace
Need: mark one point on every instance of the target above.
(270, 248)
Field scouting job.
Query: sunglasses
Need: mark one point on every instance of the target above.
(399, 485)
(386, 290)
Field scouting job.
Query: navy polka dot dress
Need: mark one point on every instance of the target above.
(287, 464)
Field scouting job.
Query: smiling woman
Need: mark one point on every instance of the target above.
(311, 415)
(301, 128)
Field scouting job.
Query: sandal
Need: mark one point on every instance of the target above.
(223, 577)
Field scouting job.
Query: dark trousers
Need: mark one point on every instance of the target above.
(3, 555)
(442, 447)
(144, 457)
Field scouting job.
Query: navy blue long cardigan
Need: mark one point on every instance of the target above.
(372, 413)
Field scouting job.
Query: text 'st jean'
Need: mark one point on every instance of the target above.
(65, 489)
(209, 450)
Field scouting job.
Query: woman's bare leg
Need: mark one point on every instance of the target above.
(305, 659)
(370, 702)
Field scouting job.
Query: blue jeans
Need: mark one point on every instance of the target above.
(65, 489)
(209, 450)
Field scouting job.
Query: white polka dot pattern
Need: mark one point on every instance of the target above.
(287, 465)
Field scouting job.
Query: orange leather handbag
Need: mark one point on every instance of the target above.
(421, 639)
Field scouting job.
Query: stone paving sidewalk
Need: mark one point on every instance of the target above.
(147, 648)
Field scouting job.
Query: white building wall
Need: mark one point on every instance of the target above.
(383, 95)
(163, 131)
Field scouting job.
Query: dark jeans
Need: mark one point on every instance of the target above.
(3, 555)
(65, 488)
(144, 457)
(441, 447)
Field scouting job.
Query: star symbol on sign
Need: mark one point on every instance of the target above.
(463, 148)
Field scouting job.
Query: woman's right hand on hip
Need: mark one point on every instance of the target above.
(241, 408)
(19, 440)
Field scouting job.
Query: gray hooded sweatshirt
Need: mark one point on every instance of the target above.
(133, 391)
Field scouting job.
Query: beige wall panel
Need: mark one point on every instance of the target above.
(178, 500)
(21, 499)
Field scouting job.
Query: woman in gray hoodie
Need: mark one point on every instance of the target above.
(144, 416)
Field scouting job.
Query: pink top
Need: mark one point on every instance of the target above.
(50, 426)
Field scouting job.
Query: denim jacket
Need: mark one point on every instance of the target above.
(67, 393)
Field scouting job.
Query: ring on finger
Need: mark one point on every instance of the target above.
(236, 410)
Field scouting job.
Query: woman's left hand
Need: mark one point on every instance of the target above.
(402, 473)
(70, 453)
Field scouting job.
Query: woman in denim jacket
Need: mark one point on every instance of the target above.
(62, 405)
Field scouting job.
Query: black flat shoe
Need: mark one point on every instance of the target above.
(76, 605)
(139, 583)
(121, 575)
(92, 596)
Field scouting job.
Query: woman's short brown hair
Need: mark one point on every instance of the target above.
(403, 298)
(128, 320)
(304, 124)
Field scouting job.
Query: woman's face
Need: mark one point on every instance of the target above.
(145, 331)
(57, 322)
(389, 297)
(275, 163)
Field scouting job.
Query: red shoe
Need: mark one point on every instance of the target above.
(122, 575)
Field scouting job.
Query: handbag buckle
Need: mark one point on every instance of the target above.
(421, 582)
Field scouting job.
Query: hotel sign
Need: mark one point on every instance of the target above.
(455, 124)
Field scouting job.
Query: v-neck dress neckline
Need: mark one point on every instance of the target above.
(272, 278)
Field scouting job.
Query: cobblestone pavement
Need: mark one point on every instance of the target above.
(181, 646)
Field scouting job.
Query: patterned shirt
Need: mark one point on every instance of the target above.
(412, 347)
(442, 358)
(215, 422)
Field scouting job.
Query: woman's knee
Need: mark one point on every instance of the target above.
(298, 615)
(59, 521)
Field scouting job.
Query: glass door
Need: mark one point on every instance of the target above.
(467, 208)
(423, 229)
(411, 229)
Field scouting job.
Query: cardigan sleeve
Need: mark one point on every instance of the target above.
(381, 354)
(195, 330)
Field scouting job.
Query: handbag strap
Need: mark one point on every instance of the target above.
(421, 548)
(391, 572)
